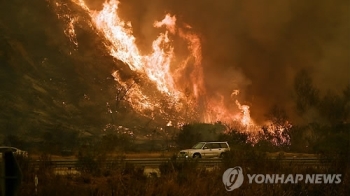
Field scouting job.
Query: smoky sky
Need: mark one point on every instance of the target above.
(257, 46)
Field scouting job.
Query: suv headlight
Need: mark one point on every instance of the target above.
(189, 153)
(182, 154)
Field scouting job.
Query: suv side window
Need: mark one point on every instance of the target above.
(223, 145)
(215, 145)
(207, 146)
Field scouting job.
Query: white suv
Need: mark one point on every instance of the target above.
(205, 150)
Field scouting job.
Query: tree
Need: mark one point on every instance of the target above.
(334, 108)
(278, 131)
(235, 138)
(188, 136)
(306, 94)
(277, 115)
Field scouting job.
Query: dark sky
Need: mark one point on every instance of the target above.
(257, 46)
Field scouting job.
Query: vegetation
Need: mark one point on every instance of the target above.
(190, 134)
(180, 177)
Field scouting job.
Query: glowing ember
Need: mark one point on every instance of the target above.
(169, 124)
(69, 20)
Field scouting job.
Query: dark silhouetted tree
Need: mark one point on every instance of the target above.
(334, 108)
(306, 94)
(188, 136)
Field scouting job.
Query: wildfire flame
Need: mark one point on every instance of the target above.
(180, 94)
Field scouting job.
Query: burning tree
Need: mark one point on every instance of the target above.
(277, 131)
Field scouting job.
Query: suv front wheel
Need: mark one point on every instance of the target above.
(222, 155)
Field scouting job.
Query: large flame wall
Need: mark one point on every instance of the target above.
(181, 91)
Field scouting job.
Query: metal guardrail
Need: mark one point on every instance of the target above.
(158, 161)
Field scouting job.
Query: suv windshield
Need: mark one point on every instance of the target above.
(198, 146)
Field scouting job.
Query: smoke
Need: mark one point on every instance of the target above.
(256, 46)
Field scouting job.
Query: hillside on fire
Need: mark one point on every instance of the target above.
(140, 75)
(47, 84)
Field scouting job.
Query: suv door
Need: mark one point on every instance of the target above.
(216, 149)
(207, 151)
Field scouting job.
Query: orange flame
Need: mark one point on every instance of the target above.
(179, 80)
(168, 21)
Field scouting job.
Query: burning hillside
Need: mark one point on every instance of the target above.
(168, 82)
(87, 65)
